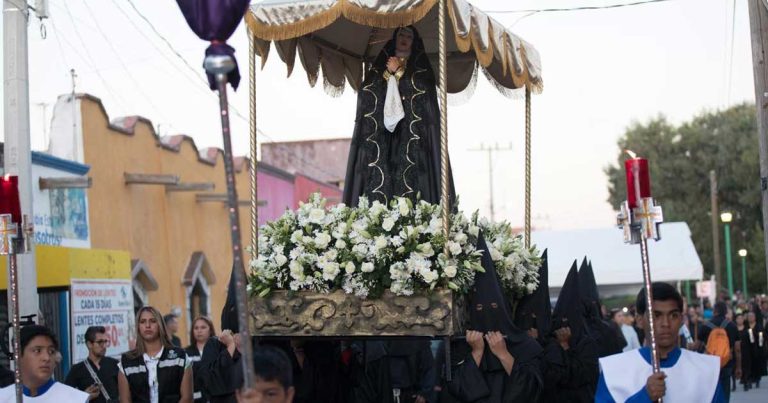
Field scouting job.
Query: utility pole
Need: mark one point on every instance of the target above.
(490, 150)
(715, 212)
(758, 22)
(18, 154)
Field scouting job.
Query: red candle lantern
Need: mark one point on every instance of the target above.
(9, 197)
(638, 179)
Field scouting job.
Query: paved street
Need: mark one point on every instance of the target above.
(752, 396)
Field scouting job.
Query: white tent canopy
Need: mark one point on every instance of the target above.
(617, 265)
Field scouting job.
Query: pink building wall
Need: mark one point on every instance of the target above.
(276, 187)
(304, 186)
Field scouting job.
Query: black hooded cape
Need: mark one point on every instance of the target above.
(405, 162)
(535, 310)
(570, 375)
(405, 364)
(609, 338)
(489, 382)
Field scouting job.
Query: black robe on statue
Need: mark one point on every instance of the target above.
(407, 365)
(489, 382)
(405, 162)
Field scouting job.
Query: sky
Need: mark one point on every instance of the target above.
(602, 70)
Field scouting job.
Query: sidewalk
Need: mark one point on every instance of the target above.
(752, 396)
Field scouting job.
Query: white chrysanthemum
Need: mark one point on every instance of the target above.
(461, 238)
(360, 250)
(297, 272)
(296, 252)
(340, 244)
(330, 255)
(396, 241)
(367, 267)
(330, 271)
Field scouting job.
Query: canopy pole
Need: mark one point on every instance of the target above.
(254, 153)
(527, 167)
(443, 72)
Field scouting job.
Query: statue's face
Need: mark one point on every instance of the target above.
(404, 40)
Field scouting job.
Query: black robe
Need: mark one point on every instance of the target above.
(405, 162)
(221, 373)
(753, 357)
(408, 362)
(489, 382)
(570, 375)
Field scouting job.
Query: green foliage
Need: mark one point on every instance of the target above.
(680, 159)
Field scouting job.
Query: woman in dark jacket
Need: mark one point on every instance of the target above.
(202, 330)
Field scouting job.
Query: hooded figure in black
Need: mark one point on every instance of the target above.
(534, 311)
(404, 161)
(397, 371)
(570, 355)
(496, 362)
(221, 372)
(609, 338)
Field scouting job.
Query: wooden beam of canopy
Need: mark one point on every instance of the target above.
(222, 198)
(79, 182)
(150, 179)
(191, 187)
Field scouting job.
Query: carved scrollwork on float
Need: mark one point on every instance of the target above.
(337, 314)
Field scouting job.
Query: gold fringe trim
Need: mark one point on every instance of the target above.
(325, 18)
(300, 28)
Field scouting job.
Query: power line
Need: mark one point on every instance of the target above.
(583, 8)
(58, 42)
(137, 85)
(119, 100)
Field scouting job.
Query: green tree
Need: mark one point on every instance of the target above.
(680, 159)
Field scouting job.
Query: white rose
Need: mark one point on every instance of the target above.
(280, 260)
(426, 249)
(387, 224)
(461, 238)
(473, 230)
(322, 240)
(430, 276)
(454, 248)
(367, 267)
(495, 255)
(316, 215)
(360, 250)
(349, 268)
(330, 271)
(340, 244)
(297, 272)
(450, 271)
(381, 242)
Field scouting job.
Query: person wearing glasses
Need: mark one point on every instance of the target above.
(38, 358)
(97, 374)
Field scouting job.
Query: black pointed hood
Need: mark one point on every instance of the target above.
(568, 310)
(588, 290)
(535, 310)
(229, 318)
(489, 311)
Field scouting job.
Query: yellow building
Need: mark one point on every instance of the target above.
(177, 234)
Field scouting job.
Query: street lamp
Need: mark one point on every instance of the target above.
(743, 254)
(726, 218)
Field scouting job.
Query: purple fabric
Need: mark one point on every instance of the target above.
(215, 21)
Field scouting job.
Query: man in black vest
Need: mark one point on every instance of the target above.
(97, 374)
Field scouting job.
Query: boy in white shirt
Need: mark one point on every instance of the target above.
(39, 349)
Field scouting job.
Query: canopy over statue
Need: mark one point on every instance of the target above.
(341, 35)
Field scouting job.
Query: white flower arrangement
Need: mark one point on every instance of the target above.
(371, 248)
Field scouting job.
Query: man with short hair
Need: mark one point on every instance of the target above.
(274, 378)
(39, 349)
(685, 376)
(97, 374)
(733, 367)
(172, 326)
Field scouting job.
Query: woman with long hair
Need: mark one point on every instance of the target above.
(155, 371)
(202, 330)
